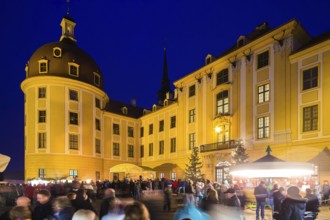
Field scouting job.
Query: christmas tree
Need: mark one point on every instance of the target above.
(239, 156)
(193, 169)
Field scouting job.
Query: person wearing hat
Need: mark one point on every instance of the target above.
(261, 193)
(293, 206)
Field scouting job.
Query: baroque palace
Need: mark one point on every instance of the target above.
(269, 88)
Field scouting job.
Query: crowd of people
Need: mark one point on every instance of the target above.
(202, 200)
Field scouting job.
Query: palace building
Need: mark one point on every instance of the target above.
(270, 88)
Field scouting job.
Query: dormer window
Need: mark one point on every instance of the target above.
(96, 79)
(43, 66)
(57, 52)
(73, 69)
(209, 59)
(124, 110)
(240, 41)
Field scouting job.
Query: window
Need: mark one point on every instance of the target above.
(97, 175)
(73, 118)
(310, 78)
(42, 116)
(151, 129)
(73, 95)
(96, 79)
(161, 125)
(191, 140)
(263, 127)
(42, 173)
(173, 122)
(161, 175)
(151, 149)
(161, 147)
(42, 140)
(43, 66)
(222, 77)
(73, 70)
(97, 103)
(130, 131)
(142, 151)
(192, 90)
(310, 118)
(222, 102)
(97, 124)
(191, 115)
(263, 59)
(173, 145)
(97, 146)
(115, 128)
(73, 173)
(173, 176)
(263, 93)
(130, 150)
(141, 131)
(73, 141)
(116, 149)
(42, 93)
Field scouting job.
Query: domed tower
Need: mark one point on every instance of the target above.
(64, 99)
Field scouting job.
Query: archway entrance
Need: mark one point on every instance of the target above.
(222, 171)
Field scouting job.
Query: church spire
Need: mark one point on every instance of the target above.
(165, 88)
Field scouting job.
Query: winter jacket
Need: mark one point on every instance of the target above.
(42, 211)
(260, 193)
(293, 208)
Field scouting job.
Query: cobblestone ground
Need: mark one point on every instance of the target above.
(155, 207)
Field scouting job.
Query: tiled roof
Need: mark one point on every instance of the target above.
(116, 107)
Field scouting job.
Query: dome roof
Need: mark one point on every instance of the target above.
(59, 56)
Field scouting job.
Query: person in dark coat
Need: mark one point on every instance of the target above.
(313, 202)
(82, 201)
(43, 208)
(232, 200)
(261, 193)
(109, 194)
(62, 208)
(278, 196)
(293, 206)
(210, 200)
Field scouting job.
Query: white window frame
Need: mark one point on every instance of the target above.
(97, 79)
(74, 65)
(43, 61)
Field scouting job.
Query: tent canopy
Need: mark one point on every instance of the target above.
(129, 168)
(322, 160)
(4, 161)
(270, 166)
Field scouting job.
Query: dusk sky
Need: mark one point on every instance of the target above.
(126, 38)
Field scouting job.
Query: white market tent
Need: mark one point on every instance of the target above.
(270, 166)
(4, 161)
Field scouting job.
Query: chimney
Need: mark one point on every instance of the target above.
(133, 102)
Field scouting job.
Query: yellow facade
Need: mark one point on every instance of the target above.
(261, 102)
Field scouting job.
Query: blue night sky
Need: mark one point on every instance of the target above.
(126, 38)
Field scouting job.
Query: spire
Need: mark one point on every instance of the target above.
(68, 7)
(165, 88)
(268, 150)
(68, 24)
